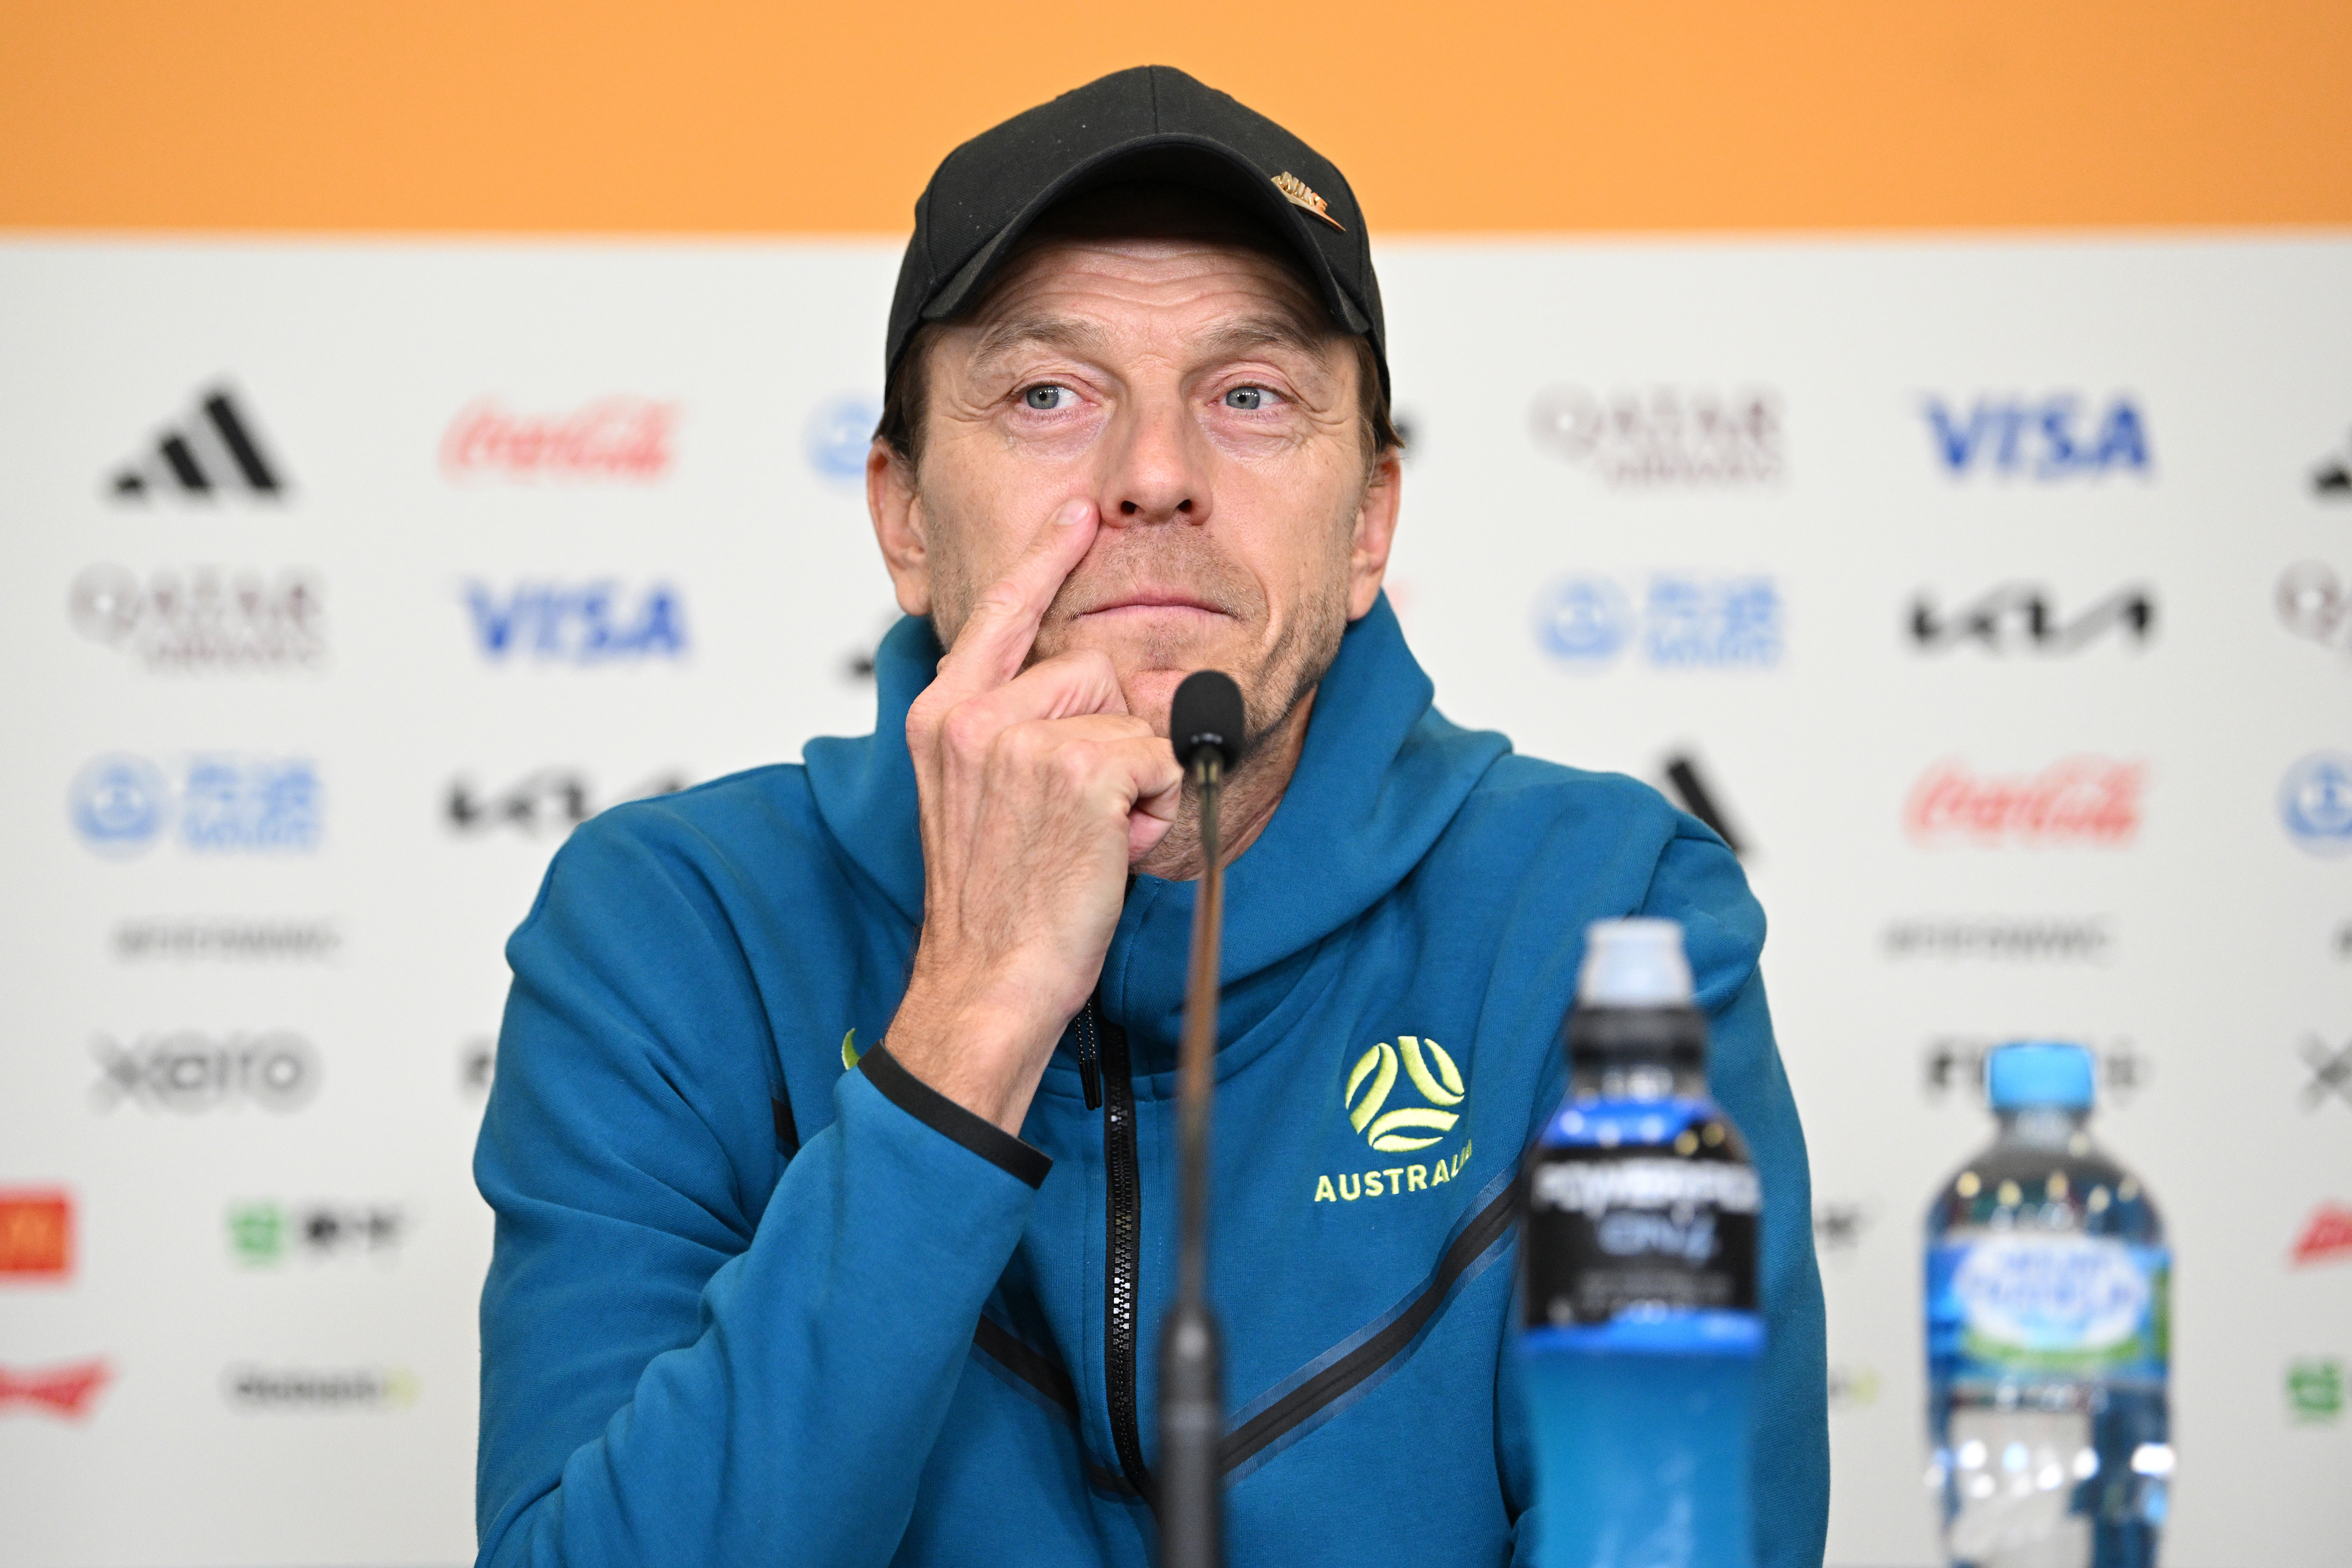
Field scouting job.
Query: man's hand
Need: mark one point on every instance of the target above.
(1037, 788)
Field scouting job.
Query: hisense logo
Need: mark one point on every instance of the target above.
(1408, 1127)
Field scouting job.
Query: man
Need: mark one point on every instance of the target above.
(832, 1142)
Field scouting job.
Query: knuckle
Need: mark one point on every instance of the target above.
(1019, 745)
(1078, 763)
(966, 728)
(1000, 599)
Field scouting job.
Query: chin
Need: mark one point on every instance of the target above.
(1150, 690)
(1152, 660)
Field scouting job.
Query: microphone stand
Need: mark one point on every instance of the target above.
(1192, 1376)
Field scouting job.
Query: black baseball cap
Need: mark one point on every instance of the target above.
(1152, 122)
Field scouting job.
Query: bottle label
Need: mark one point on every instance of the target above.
(1641, 1221)
(2005, 1306)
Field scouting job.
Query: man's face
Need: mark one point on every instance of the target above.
(1190, 388)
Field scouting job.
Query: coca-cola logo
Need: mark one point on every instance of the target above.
(623, 439)
(2076, 800)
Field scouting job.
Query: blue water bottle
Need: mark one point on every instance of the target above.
(2049, 1335)
(1639, 1333)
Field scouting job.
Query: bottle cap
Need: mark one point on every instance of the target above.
(2039, 1072)
(1633, 964)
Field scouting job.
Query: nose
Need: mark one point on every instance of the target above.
(1158, 470)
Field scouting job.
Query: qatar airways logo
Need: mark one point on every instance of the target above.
(2076, 800)
(612, 439)
(1664, 436)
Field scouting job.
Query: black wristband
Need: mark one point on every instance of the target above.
(942, 1115)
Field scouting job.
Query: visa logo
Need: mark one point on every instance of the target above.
(2054, 437)
(586, 622)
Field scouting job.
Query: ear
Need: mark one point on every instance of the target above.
(1375, 532)
(897, 508)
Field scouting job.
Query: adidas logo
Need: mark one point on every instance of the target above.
(211, 450)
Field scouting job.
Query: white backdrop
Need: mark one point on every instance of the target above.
(1996, 594)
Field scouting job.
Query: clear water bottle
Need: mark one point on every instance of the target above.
(2049, 1327)
(1638, 1333)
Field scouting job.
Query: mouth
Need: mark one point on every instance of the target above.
(1152, 601)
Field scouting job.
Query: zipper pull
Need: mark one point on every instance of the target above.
(1089, 1055)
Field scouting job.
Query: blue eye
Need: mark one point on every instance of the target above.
(1245, 397)
(1047, 397)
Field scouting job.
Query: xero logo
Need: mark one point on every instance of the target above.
(1374, 1076)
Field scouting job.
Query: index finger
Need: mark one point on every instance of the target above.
(1002, 626)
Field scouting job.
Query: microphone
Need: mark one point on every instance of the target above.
(1207, 713)
(1205, 727)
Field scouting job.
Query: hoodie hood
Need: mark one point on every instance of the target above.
(1381, 776)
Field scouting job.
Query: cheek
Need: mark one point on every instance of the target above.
(1065, 444)
(1257, 445)
(985, 505)
(1294, 528)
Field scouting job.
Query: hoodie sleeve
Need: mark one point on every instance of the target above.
(1700, 884)
(686, 1356)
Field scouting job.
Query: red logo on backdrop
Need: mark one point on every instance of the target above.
(625, 438)
(2079, 800)
(2327, 1238)
(36, 1234)
(65, 1390)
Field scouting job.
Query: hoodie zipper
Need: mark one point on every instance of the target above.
(1123, 1253)
(1090, 1055)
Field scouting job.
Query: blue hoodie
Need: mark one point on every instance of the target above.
(750, 1304)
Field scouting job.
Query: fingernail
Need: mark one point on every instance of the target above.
(1072, 512)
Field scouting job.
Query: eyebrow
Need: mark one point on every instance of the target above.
(1275, 328)
(1068, 333)
(1278, 329)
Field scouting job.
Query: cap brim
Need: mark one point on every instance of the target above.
(1179, 159)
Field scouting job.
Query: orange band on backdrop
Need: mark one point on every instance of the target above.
(592, 116)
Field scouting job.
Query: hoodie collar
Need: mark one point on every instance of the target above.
(865, 786)
(1381, 776)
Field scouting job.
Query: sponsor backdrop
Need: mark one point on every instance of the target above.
(1997, 607)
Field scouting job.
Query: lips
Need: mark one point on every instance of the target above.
(1155, 600)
